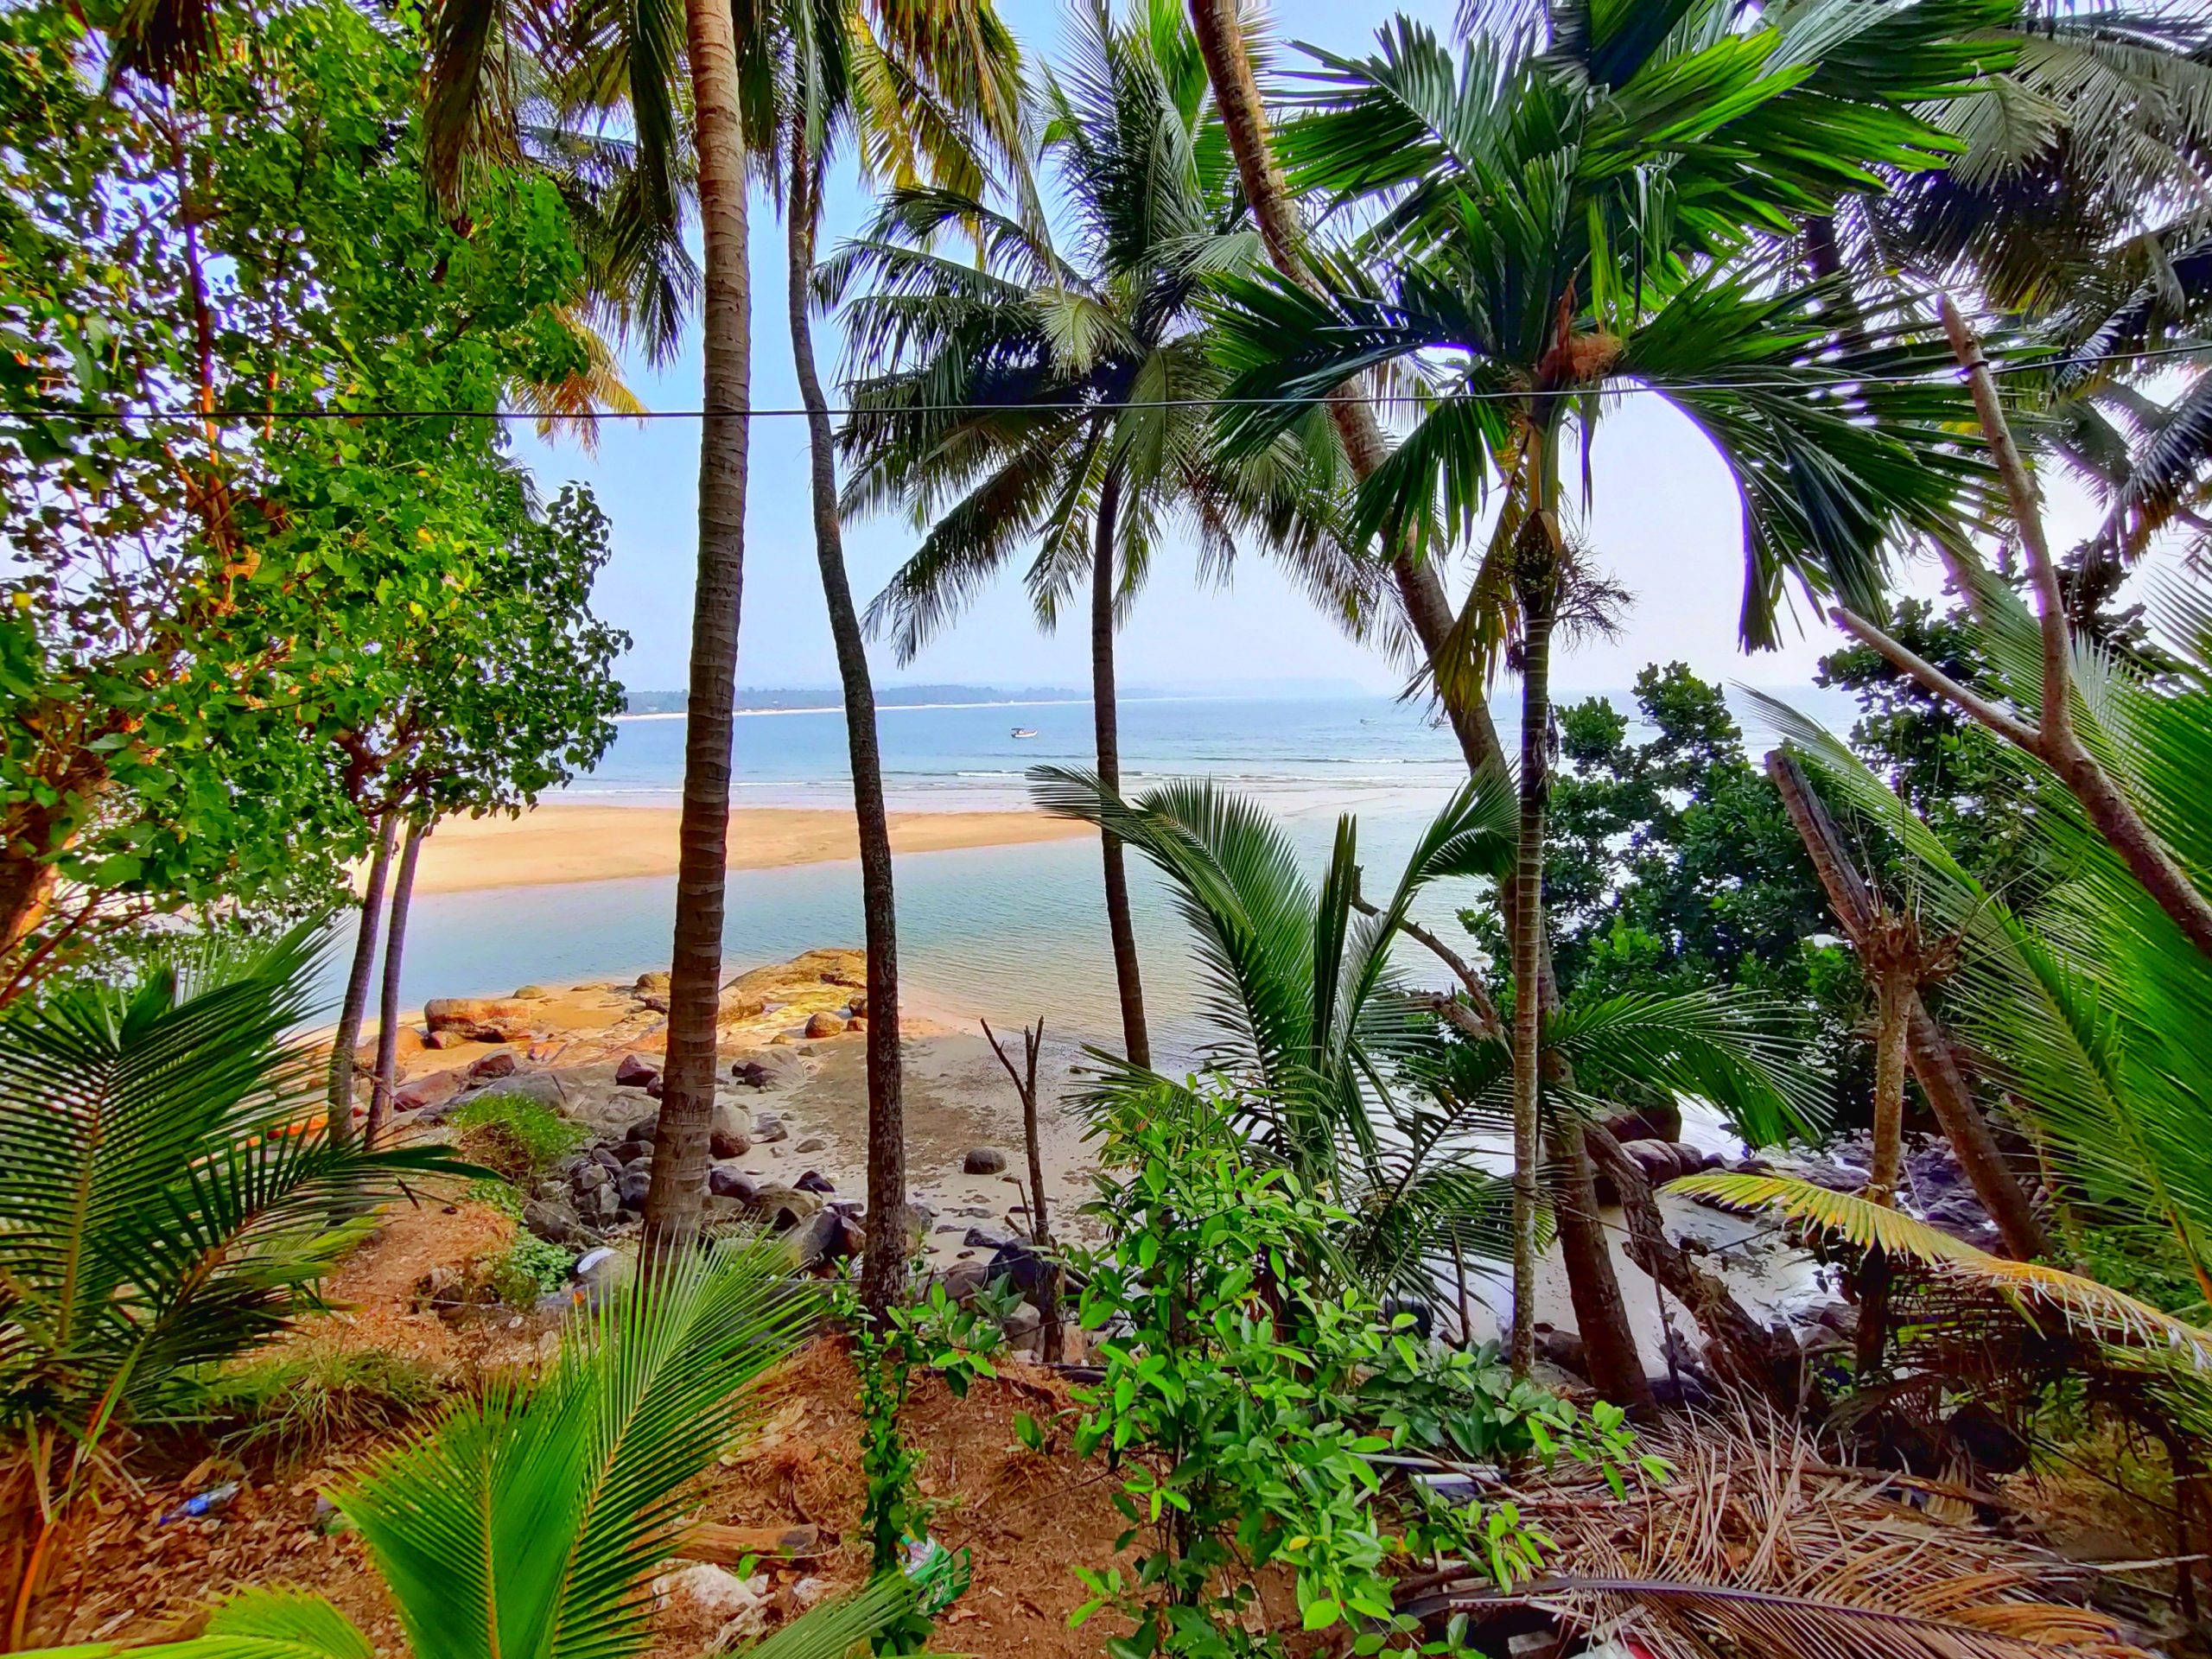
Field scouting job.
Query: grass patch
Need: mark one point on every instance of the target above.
(515, 1135)
(303, 1399)
(528, 1269)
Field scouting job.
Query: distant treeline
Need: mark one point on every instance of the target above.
(817, 697)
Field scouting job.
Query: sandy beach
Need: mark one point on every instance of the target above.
(557, 844)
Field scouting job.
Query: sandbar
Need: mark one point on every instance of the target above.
(560, 843)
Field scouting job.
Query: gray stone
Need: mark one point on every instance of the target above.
(1021, 1322)
(983, 1161)
(962, 1280)
(812, 1143)
(979, 1240)
(814, 1181)
(636, 1183)
(823, 1238)
(644, 1131)
(785, 1207)
(556, 1224)
(732, 1184)
(592, 1176)
(768, 1129)
(543, 1087)
(631, 1072)
(499, 1064)
(605, 1203)
(751, 1073)
(608, 1159)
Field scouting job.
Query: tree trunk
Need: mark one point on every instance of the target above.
(1896, 994)
(1220, 31)
(348, 1038)
(395, 952)
(883, 1265)
(1134, 1040)
(1933, 1061)
(1527, 906)
(677, 1201)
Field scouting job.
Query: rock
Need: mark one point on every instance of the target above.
(727, 1143)
(1661, 1122)
(812, 1143)
(606, 1159)
(1020, 1326)
(1654, 1158)
(859, 1004)
(1563, 1348)
(631, 1072)
(657, 983)
(532, 994)
(768, 1129)
(821, 1239)
(499, 1064)
(983, 1161)
(602, 1204)
(977, 1239)
(433, 1090)
(591, 1176)
(555, 1224)
(543, 1087)
(785, 1207)
(814, 1181)
(1689, 1159)
(443, 1040)
(481, 1019)
(824, 1024)
(751, 1073)
(733, 1183)
(741, 1604)
(962, 1280)
(634, 1185)
(644, 1132)
(915, 1218)
(1020, 1265)
(637, 1157)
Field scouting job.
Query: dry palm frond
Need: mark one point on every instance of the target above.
(2088, 1308)
(1759, 1547)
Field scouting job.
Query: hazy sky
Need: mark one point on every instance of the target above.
(1665, 524)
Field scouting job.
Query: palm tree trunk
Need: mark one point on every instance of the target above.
(1526, 909)
(883, 1265)
(1134, 1040)
(677, 1198)
(348, 1036)
(1895, 993)
(1220, 32)
(395, 951)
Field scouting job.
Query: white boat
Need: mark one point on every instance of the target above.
(1025, 731)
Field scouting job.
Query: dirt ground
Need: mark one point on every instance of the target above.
(148, 1574)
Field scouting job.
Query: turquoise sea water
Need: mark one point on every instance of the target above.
(1004, 932)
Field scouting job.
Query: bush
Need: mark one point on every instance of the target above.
(515, 1135)
(528, 1269)
(303, 1399)
(1250, 1398)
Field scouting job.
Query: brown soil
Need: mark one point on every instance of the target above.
(1025, 1517)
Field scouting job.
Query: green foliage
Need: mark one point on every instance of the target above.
(213, 631)
(1247, 1403)
(165, 1196)
(516, 1136)
(531, 1521)
(528, 1269)
(308, 1397)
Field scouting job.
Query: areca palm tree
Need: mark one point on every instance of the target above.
(925, 94)
(1557, 219)
(1052, 398)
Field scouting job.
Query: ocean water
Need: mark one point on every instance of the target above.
(1009, 932)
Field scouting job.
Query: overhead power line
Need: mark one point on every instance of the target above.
(1646, 388)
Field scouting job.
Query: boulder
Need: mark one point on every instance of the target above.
(635, 1184)
(606, 1159)
(1689, 1160)
(977, 1239)
(1020, 1326)
(824, 1024)
(1563, 1348)
(532, 993)
(812, 1143)
(1656, 1123)
(591, 1176)
(727, 1143)
(823, 1239)
(814, 1181)
(543, 1087)
(434, 1091)
(1019, 1264)
(962, 1280)
(631, 1072)
(725, 1183)
(655, 983)
(637, 1157)
(500, 1064)
(555, 1224)
(644, 1132)
(983, 1161)
(768, 1129)
(601, 1205)
(483, 1020)
(1656, 1159)
(751, 1073)
(785, 1207)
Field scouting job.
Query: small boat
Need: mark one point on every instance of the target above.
(1025, 731)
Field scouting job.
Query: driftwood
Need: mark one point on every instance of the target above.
(727, 1546)
(1933, 1061)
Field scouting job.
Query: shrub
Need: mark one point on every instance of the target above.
(1249, 1400)
(516, 1136)
(305, 1399)
(528, 1269)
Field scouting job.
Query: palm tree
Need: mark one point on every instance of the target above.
(1554, 224)
(1339, 1068)
(531, 1521)
(1049, 398)
(921, 92)
(167, 1179)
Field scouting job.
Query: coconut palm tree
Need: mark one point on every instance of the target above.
(1343, 1070)
(1554, 218)
(1050, 398)
(924, 95)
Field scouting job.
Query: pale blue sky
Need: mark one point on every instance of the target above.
(1665, 524)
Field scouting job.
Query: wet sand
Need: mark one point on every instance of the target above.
(562, 843)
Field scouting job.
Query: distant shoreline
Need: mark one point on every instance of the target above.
(558, 845)
(912, 707)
